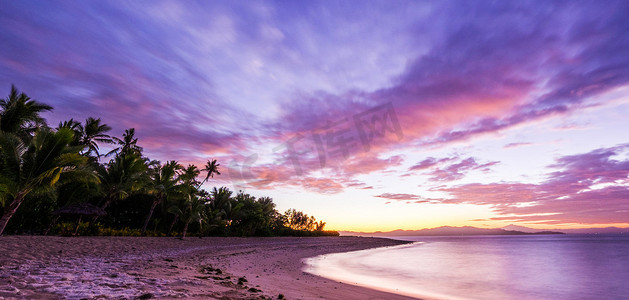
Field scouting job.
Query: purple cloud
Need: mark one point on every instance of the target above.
(402, 197)
(204, 79)
(589, 188)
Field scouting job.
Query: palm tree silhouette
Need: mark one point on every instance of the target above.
(127, 145)
(19, 114)
(123, 175)
(162, 185)
(89, 135)
(192, 210)
(92, 133)
(211, 167)
(39, 165)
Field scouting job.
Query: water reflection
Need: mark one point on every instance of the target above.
(490, 267)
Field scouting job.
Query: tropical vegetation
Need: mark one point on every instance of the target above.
(46, 171)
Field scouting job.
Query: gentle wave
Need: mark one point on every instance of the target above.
(488, 267)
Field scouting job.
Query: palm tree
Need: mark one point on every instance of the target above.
(20, 114)
(88, 135)
(76, 127)
(93, 132)
(192, 211)
(220, 198)
(189, 176)
(162, 184)
(48, 159)
(211, 167)
(128, 143)
(188, 187)
(123, 175)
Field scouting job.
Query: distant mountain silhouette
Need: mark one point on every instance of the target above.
(451, 231)
(603, 230)
(520, 228)
(469, 230)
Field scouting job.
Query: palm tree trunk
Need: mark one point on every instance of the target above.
(54, 221)
(148, 218)
(77, 226)
(170, 229)
(105, 205)
(185, 229)
(10, 211)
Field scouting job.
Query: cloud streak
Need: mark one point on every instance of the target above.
(588, 188)
(292, 84)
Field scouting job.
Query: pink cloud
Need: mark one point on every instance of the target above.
(399, 196)
(369, 162)
(589, 188)
(474, 69)
(321, 185)
(429, 162)
(441, 171)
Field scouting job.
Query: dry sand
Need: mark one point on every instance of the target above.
(38, 267)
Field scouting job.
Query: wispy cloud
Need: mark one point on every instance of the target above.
(392, 196)
(516, 145)
(237, 79)
(589, 188)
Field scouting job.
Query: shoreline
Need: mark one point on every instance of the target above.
(45, 267)
(339, 266)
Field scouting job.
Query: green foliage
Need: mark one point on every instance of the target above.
(44, 169)
(37, 166)
(20, 115)
(91, 229)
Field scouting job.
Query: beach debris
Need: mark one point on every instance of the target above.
(242, 280)
(145, 296)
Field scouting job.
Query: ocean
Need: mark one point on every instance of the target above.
(489, 267)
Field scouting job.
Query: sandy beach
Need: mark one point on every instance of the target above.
(38, 267)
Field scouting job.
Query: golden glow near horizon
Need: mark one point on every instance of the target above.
(359, 210)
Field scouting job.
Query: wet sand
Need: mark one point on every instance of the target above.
(37, 267)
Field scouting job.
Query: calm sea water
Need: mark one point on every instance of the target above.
(490, 267)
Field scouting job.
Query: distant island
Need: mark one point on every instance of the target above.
(449, 231)
(470, 230)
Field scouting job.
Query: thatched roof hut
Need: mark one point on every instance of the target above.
(85, 209)
(81, 209)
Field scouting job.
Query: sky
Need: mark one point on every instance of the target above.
(369, 115)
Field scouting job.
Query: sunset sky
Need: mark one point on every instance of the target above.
(370, 115)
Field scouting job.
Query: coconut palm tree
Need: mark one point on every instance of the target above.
(38, 165)
(92, 133)
(220, 198)
(128, 144)
(162, 185)
(76, 127)
(189, 176)
(189, 188)
(20, 114)
(88, 135)
(192, 211)
(211, 167)
(123, 175)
